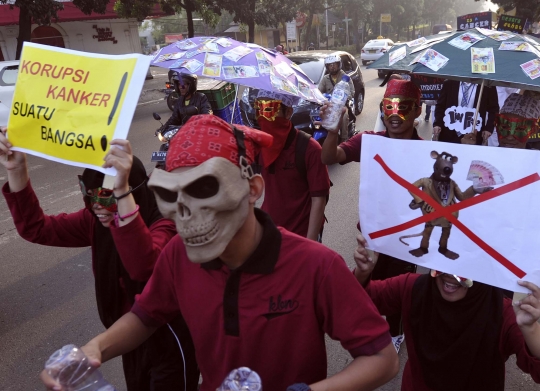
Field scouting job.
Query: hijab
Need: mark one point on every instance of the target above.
(108, 266)
(457, 343)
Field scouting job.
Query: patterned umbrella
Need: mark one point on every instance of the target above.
(241, 63)
(487, 57)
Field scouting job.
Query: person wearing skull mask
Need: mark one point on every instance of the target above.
(126, 232)
(459, 333)
(252, 294)
(190, 102)
(295, 200)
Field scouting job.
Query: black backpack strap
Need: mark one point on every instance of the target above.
(302, 141)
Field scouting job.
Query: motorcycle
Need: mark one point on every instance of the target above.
(171, 96)
(164, 135)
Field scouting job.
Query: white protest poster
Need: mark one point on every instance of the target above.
(461, 119)
(418, 204)
(69, 105)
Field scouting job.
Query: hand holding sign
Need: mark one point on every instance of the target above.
(68, 105)
(14, 162)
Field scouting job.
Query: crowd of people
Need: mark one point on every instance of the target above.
(193, 280)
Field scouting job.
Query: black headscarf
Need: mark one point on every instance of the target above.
(457, 343)
(107, 263)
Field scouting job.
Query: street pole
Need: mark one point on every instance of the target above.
(380, 25)
(347, 31)
(326, 8)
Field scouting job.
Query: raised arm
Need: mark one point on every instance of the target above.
(331, 152)
(63, 230)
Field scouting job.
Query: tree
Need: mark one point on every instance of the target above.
(524, 8)
(140, 9)
(251, 12)
(42, 12)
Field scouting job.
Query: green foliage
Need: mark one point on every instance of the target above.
(42, 12)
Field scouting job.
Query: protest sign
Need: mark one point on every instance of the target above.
(461, 119)
(470, 21)
(489, 237)
(69, 105)
(430, 87)
(511, 23)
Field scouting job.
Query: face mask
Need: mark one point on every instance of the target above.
(209, 204)
(519, 128)
(101, 196)
(403, 108)
(267, 109)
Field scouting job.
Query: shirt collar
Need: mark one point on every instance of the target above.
(265, 256)
(414, 135)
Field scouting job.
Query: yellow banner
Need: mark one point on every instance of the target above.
(69, 105)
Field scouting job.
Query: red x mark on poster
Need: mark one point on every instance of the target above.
(446, 212)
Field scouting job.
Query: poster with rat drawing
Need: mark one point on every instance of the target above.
(460, 209)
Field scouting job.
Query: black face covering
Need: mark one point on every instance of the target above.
(457, 343)
(107, 263)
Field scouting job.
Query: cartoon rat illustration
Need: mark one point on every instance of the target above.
(445, 191)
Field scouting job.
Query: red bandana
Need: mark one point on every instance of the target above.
(403, 88)
(206, 136)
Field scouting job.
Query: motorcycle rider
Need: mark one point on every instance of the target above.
(190, 102)
(281, 49)
(327, 83)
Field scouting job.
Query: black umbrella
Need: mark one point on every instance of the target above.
(508, 70)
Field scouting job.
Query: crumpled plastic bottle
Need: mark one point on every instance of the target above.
(69, 366)
(241, 379)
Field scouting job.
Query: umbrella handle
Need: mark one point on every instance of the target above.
(478, 108)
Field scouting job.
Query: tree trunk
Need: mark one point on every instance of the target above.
(25, 30)
(251, 23)
(251, 31)
(308, 31)
(189, 17)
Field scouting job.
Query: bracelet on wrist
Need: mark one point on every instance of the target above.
(122, 218)
(299, 387)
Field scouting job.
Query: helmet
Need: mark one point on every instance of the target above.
(332, 59)
(188, 78)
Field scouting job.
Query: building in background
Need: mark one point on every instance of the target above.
(98, 33)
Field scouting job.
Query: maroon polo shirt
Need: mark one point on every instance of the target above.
(353, 146)
(287, 194)
(270, 314)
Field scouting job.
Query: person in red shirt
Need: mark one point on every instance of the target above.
(399, 107)
(459, 333)
(252, 294)
(126, 232)
(294, 199)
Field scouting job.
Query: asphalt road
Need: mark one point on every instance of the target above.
(47, 294)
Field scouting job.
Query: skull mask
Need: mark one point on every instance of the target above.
(209, 204)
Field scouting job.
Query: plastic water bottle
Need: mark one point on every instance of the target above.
(241, 379)
(69, 367)
(338, 100)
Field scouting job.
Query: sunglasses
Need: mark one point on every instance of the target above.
(101, 196)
